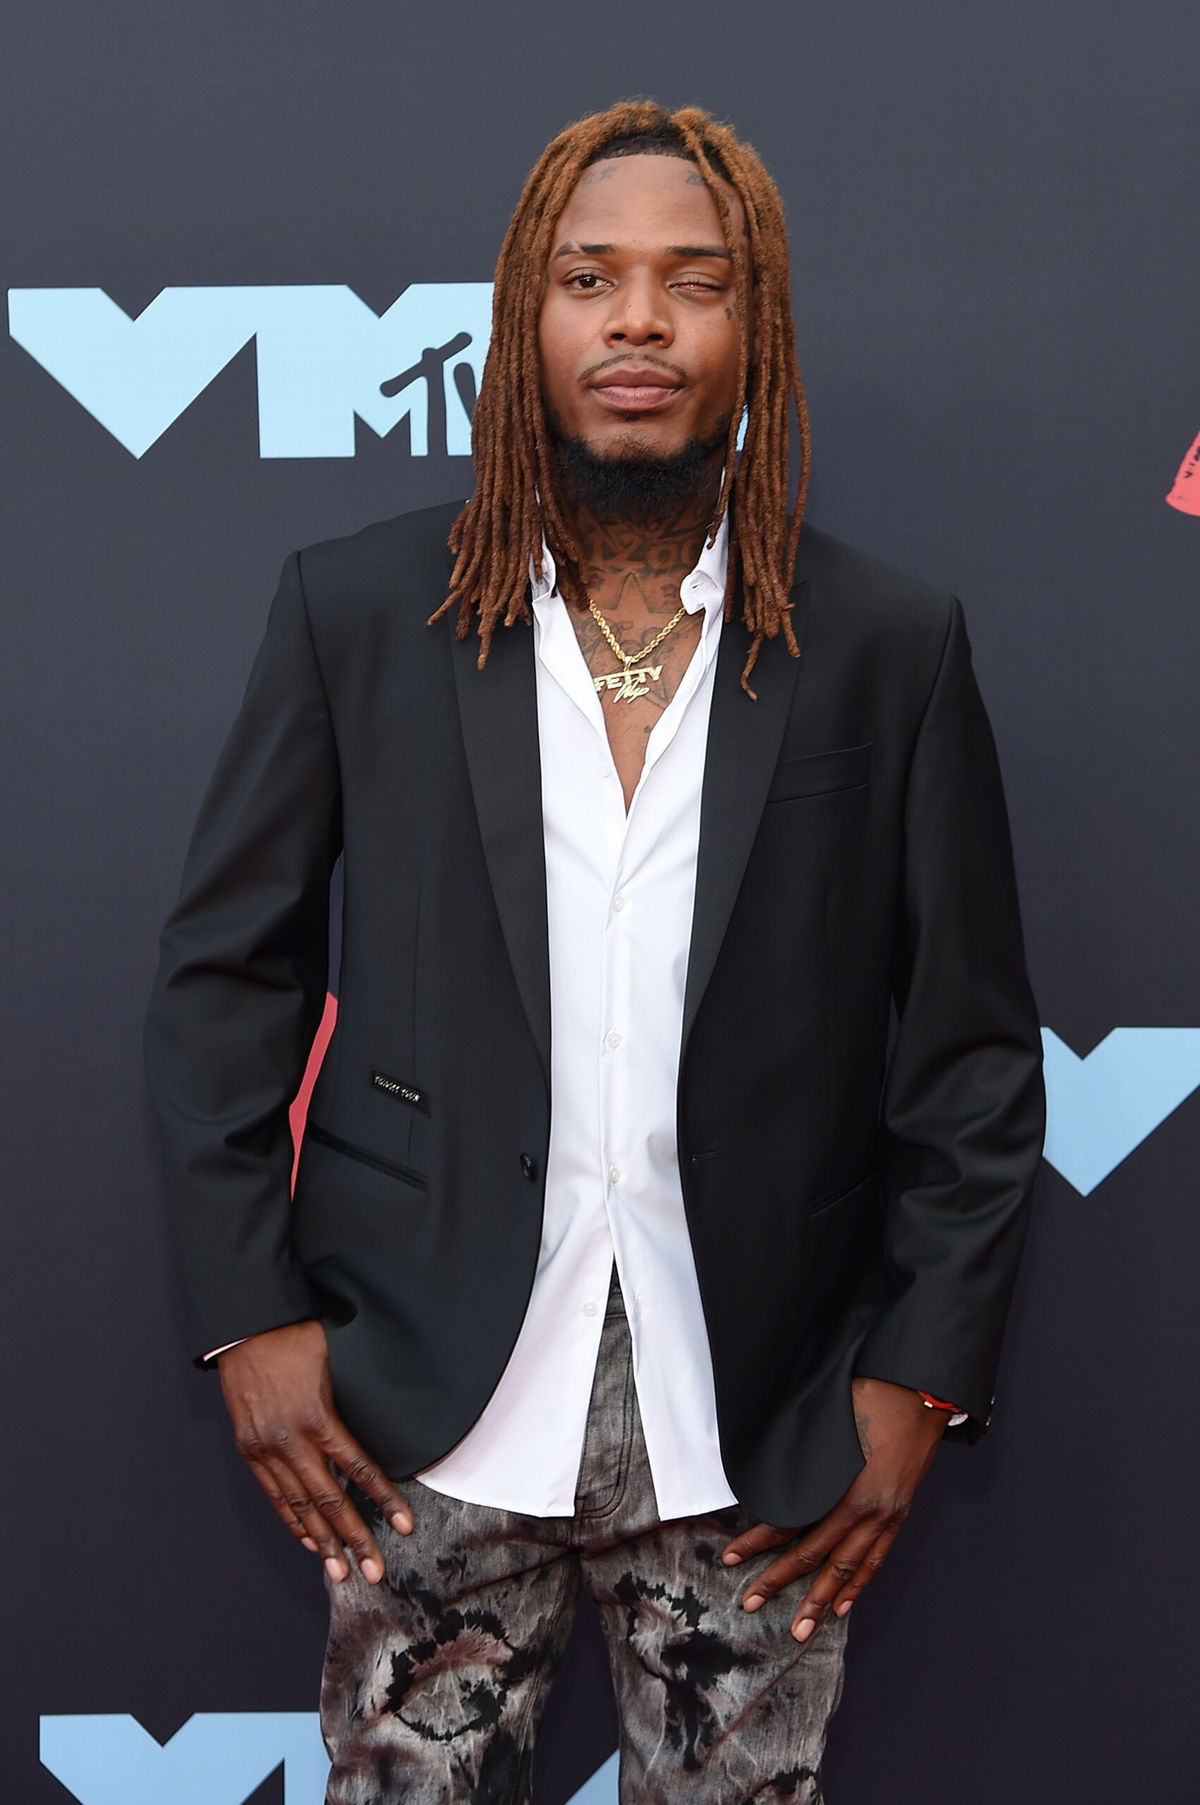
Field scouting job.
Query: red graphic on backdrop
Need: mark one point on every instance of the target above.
(1185, 492)
(298, 1113)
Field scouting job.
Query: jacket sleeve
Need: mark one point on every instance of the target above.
(963, 1109)
(240, 989)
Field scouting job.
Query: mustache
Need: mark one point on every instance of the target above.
(623, 359)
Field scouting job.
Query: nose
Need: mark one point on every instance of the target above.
(639, 314)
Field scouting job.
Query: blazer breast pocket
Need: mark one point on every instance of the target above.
(821, 773)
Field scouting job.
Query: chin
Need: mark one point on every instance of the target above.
(634, 475)
(636, 441)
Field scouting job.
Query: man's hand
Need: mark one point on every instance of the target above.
(278, 1393)
(899, 1436)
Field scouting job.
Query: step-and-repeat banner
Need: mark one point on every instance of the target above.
(247, 251)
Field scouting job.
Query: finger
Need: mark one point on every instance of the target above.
(754, 1541)
(361, 1470)
(287, 1514)
(810, 1554)
(296, 1489)
(865, 1572)
(806, 1553)
(837, 1571)
(334, 1507)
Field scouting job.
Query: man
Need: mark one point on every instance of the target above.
(665, 1180)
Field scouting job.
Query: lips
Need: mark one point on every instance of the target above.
(635, 390)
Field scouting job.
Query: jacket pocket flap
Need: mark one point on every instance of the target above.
(818, 773)
(365, 1155)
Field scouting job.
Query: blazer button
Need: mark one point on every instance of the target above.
(528, 1166)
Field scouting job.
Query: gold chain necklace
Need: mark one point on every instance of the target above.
(629, 684)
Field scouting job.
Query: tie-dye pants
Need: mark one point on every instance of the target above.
(435, 1680)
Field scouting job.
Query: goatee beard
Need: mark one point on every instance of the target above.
(633, 486)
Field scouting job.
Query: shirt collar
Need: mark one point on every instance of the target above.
(702, 588)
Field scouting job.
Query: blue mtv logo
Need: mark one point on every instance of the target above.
(324, 359)
(215, 1758)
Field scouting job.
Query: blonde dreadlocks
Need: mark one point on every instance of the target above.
(517, 498)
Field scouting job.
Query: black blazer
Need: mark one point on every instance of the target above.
(860, 1106)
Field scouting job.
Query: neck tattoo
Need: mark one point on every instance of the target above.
(627, 682)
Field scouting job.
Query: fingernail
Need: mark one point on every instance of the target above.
(731, 1560)
(334, 1568)
(372, 1570)
(804, 1629)
(307, 1542)
(752, 1603)
(400, 1521)
(844, 1606)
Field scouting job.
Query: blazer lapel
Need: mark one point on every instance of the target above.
(498, 710)
(742, 752)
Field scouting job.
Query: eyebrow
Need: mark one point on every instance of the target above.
(585, 250)
(673, 250)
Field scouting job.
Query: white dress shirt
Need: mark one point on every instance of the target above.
(620, 888)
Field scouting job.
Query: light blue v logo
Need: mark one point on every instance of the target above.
(215, 1758)
(1104, 1105)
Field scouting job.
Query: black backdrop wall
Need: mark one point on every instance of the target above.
(996, 275)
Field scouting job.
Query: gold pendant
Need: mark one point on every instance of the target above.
(629, 685)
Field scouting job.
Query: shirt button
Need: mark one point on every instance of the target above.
(613, 1038)
(528, 1166)
(618, 902)
(614, 1175)
(589, 1309)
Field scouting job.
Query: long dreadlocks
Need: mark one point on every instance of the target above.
(517, 497)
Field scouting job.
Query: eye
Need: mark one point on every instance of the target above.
(585, 280)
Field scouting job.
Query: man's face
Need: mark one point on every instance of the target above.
(638, 333)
